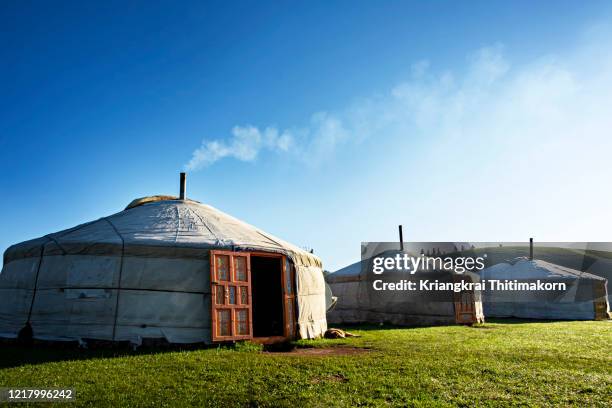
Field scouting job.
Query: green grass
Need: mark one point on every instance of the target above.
(504, 363)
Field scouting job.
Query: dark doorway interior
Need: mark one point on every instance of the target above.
(267, 292)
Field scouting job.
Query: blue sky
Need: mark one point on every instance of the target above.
(326, 124)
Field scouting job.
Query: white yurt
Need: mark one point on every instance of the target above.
(585, 297)
(163, 268)
(358, 302)
(603, 267)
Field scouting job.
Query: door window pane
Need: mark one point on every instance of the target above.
(244, 295)
(241, 268)
(224, 322)
(242, 321)
(232, 295)
(290, 318)
(222, 267)
(219, 295)
(288, 278)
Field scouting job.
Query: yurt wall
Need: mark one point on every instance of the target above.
(358, 302)
(584, 299)
(76, 296)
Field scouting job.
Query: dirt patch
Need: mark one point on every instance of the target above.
(329, 378)
(321, 351)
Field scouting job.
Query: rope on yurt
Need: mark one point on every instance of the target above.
(64, 252)
(205, 224)
(120, 274)
(269, 238)
(26, 333)
(42, 252)
(178, 225)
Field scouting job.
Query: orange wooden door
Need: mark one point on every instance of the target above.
(231, 309)
(600, 303)
(465, 311)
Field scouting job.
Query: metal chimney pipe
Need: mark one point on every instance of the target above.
(401, 240)
(183, 194)
(531, 249)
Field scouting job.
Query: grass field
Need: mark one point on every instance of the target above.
(503, 363)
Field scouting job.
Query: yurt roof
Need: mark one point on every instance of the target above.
(160, 222)
(523, 268)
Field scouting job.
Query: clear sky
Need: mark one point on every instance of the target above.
(326, 124)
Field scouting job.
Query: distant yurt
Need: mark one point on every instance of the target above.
(164, 268)
(358, 302)
(585, 296)
(603, 267)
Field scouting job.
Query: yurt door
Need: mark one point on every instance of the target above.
(232, 314)
(600, 303)
(465, 311)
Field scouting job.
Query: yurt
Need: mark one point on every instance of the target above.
(359, 302)
(584, 296)
(164, 268)
(603, 267)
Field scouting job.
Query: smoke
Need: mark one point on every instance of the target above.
(556, 101)
(244, 144)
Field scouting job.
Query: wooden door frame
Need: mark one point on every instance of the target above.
(283, 259)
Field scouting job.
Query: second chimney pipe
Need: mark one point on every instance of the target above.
(183, 186)
(531, 249)
(401, 233)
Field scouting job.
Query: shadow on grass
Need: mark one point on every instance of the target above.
(377, 327)
(13, 354)
(385, 326)
(515, 320)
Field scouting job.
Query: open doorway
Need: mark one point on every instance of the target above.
(267, 296)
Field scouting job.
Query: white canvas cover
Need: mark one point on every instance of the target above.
(577, 303)
(141, 273)
(359, 303)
